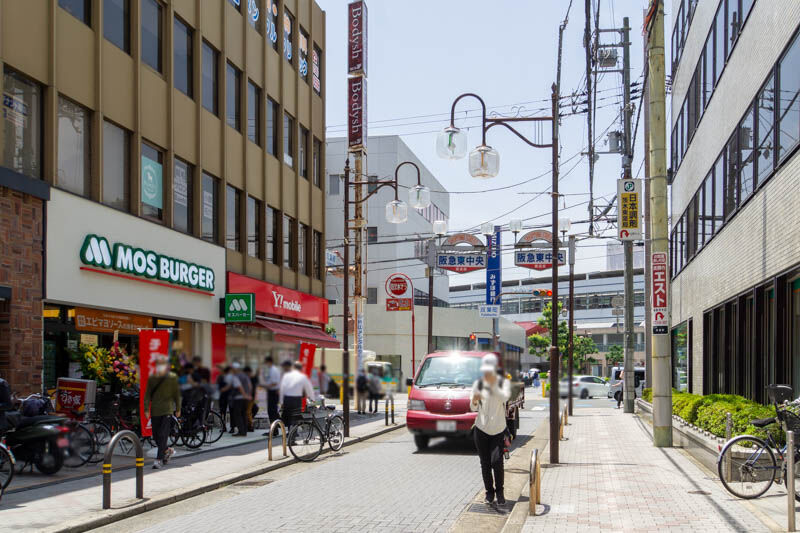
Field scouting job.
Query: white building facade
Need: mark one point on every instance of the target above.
(735, 244)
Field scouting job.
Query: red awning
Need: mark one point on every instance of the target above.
(296, 333)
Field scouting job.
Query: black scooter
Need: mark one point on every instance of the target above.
(38, 441)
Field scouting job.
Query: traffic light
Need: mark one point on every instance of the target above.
(543, 293)
(472, 337)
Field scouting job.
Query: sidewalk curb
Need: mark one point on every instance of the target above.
(112, 516)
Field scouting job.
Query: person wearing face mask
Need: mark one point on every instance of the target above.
(162, 398)
(489, 396)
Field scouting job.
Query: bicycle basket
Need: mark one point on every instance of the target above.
(780, 393)
(790, 420)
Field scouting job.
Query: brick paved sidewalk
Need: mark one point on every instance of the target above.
(613, 479)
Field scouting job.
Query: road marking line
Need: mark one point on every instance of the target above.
(537, 408)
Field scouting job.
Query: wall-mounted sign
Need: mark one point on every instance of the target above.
(357, 38)
(316, 71)
(276, 300)
(399, 293)
(303, 63)
(152, 183)
(659, 317)
(288, 29)
(494, 261)
(461, 259)
(240, 307)
(271, 22)
(534, 250)
(629, 215)
(96, 252)
(357, 113)
(108, 322)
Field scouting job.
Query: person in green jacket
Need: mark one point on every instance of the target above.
(161, 399)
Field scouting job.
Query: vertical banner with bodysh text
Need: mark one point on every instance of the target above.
(151, 342)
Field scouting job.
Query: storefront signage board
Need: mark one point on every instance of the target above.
(99, 321)
(660, 315)
(276, 300)
(240, 307)
(74, 394)
(152, 183)
(357, 114)
(151, 342)
(357, 38)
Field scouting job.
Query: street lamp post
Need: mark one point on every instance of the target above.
(484, 162)
(439, 229)
(396, 213)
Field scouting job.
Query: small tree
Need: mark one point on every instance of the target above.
(538, 343)
(615, 355)
(582, 348)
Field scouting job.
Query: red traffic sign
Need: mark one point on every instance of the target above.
(397, 286)
(399, 304)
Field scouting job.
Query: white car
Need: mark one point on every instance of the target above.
(585, 387)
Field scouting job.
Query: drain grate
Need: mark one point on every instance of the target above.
(700, 492)
(254, 483)
(482, 508)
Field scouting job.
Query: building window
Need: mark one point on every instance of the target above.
(303, 61)
(316, 69)
(22, 127)
(152, 182)
(271, 22)
(372, 295)
(288, 139)
(210, 85)
(152, 33)
(708, 201)
(302, 242)
(731, 177)
(233, 104)
(253, 227)
(232, 198)
(317, 162)
(255, 16)
(719, 42)
(333, 184)
(746, 155)
(74, 148)
(317, 251)
(116, 23)
(237, 4)
(372, 234)
(210, 192)
(272, 126)
(288, 35)
(273, 220)
(289, 239)
(116, 165)
(765, 110)
(734, 23)
(182, 187)
(303, 155)
(80, 9)
(789, 101)
(182, 68)
(253, 112)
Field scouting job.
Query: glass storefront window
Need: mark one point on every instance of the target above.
(680, 357)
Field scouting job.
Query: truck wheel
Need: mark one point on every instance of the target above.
(421, 441)
(513, 424)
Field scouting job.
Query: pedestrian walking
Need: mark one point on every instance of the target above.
(294, 387)
(620, 394)
(201, 372)
(324, 381)
(224, 392)
(361, 392)
(489, 396)
(536, 380)
(270, 379)
(374, 389)
(242, 394)
(162, 398)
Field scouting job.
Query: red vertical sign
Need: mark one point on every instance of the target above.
(357, 112)
(151, 342)
(357, 38)
(307, 360)
(660, 312)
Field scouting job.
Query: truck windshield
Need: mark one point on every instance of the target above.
(450, 370)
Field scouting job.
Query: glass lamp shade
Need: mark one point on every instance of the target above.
(484, 162)
(487, 228)
(396, 212)
(515, 225)
(440, 227)
(451, 143)
(564, 224)
(419, 196)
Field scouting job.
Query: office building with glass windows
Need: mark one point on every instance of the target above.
(734, 243)
(151, 152)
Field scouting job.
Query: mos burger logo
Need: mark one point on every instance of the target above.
(97, 252)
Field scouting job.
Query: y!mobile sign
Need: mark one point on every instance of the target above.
(659, 317)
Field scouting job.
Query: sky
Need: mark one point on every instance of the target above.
(423, 53)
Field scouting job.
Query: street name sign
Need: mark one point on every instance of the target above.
(489, 311)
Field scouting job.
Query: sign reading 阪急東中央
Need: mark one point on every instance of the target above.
(152, 183)
(455, 257)
(659, 298)
(629, 194)
(96, 252)
(534, 250)
(240, 307)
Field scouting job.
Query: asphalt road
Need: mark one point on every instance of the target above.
(384, 484)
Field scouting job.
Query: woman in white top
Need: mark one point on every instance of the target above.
(489, 397)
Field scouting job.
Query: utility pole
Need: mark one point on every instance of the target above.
(648, 229)
(627, 245)
(662, 393)
(431, 259)
(587, 45)
(359, 274)
(571, 315)
(346, 304)
(555, 356)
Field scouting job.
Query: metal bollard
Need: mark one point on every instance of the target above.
(535, 482)
(790, 478)
(283, 438)
(728, 432)
(386, 410)
(137, 444)
(392, 410)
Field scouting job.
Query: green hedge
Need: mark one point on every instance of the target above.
(710, 413)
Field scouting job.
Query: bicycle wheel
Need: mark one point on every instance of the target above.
(194, 437)
(80, 447)
(175, 431)
(102, 436)
(215, 427)
(335, 431)
(6, 468)
(746, 467)
(305, 441)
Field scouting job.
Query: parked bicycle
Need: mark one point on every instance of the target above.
(7, 461)
(215, 426)
(307, 436)
(747, 465)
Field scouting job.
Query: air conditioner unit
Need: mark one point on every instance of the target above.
(607, 57)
